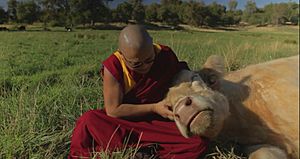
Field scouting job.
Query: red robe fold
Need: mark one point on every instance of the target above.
(95, 131)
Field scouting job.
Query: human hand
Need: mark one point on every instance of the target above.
(163, 110)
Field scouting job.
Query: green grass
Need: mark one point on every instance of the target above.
(48, 79)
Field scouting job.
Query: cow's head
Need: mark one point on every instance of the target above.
(198, 106)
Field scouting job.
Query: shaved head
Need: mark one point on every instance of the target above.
(134, 41)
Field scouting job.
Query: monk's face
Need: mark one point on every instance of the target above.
(139, 60)
(136, 46)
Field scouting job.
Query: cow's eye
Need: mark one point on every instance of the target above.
(196, 77)
(212, 80)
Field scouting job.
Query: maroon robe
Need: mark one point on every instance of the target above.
(95, 131)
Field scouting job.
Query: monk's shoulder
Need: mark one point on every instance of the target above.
(113, 65)
(165, 48)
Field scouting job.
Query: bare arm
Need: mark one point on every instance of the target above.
(113, 97)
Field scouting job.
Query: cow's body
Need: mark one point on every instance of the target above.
(264, 105)
(261, 111)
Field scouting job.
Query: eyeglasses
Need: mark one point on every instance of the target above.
(139, 63)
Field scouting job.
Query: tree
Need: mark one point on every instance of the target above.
(182, 10)
(55, 12)
(169, 12)
(12, 10)
(232, 4)
(294, 13)
(258, 18)
(138, 11)
(170, 2)
(104, 14)
(78, 13)
(151, 12)
(88, 11)
(250, 9)
(232, 17)
(123, 12)
(27, 12)
(277, 13)
(195, 13)
(280, 13)
(216, 12)
(168, 16)
(3, 16)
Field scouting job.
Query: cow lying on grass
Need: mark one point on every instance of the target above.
(256, 106)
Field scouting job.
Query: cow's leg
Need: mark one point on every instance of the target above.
(265, 152)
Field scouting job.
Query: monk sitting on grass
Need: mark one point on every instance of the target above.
(135, 80)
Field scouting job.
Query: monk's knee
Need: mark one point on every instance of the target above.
(88, 116)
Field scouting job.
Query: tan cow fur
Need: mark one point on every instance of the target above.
(263, 105)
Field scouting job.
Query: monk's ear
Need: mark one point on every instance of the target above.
(212, 71)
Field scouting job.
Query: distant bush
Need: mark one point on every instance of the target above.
(288, 41)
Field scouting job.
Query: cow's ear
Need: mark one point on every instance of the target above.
(213, 71)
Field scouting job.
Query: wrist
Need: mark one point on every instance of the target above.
(153, 108)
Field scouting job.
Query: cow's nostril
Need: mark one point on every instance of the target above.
(188, 101)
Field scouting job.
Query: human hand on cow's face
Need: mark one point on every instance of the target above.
(163, 109)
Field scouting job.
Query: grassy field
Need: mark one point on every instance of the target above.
(48, 79)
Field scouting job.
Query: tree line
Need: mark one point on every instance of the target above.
(170, 12)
